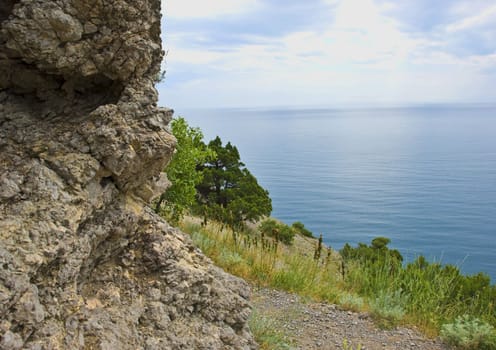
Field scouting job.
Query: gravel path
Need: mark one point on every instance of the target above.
(324, 327)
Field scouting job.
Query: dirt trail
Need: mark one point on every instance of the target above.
(325, 327)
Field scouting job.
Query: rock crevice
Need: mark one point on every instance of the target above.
(83, 263)
(6, 9)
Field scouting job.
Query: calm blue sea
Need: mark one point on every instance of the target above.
(424, 177)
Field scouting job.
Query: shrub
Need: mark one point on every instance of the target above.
(376, 252)
(299, 228)
(351, 302)
(268, 226)
(286, 234)
(277, 230)
(229, 258)
(469, 333)
(206, 244)
(389, 306)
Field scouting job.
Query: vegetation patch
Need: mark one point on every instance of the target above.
(388, 307)
(469, 333)
(351, 302)
(277, 230)
(268, 333)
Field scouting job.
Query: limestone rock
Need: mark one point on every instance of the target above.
(83, 263)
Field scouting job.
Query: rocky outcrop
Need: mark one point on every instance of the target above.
(83, 263)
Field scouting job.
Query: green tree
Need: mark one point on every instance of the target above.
(380, 242)
(229, 192)
(377, 253)
(182, 172)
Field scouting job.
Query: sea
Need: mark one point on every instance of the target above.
(423, 176)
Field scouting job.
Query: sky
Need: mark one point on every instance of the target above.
(326, 53)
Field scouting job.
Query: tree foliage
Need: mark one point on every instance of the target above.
(181, 171)
(228, 192)
(211, 180)
(377, 253)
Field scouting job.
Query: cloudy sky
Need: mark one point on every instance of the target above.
(260, 53)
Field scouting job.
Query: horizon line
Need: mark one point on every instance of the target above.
(344, 106)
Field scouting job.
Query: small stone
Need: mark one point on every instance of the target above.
(11, 341)
(66, 27)
(90, 28)
(93, 303)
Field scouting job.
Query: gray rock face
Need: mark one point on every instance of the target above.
(83, 263)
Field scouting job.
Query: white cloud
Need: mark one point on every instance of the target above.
(486, 16)
(359, 54)
(183, 9)
(351, 36)
(361, 37)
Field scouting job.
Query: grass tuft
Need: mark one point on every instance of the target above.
(388, 307)
(268, 333)
(351, 302)
(349, 346)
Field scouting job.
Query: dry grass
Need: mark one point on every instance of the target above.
(415, 296)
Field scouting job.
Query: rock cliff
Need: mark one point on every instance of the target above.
(84, 264)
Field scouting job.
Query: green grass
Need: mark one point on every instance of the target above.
(351, 302)
(349, 346)
(268, 333)
(426, 295)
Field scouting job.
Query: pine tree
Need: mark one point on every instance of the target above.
(228, 192)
